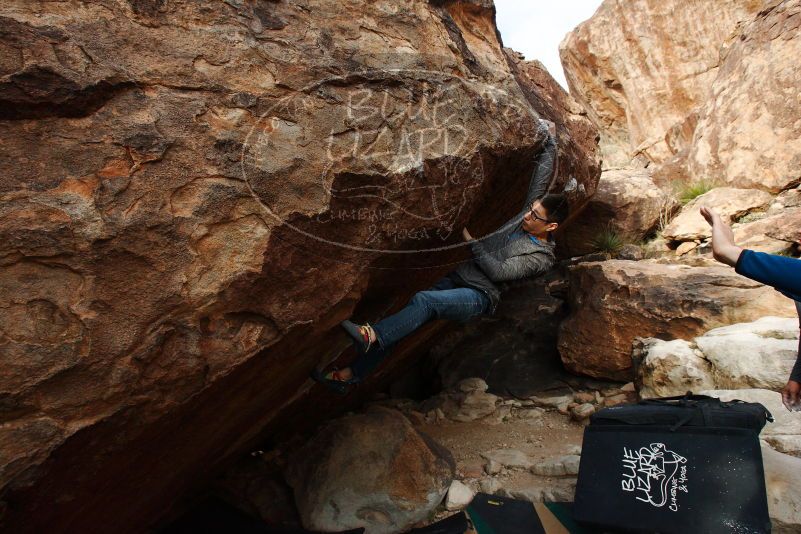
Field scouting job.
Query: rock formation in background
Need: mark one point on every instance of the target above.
(700, 94)
(192, 196)
(732, 204)
(642, 67)
(628, 203)
(696, 102)
(749, 130)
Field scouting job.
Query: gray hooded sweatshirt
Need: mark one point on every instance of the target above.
(509, 253)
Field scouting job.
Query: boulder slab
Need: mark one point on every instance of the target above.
(760, 354)
(729, 202)
(615, 301)
(372, 470)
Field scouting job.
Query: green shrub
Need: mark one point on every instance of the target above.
(608, 240)
(686, 192)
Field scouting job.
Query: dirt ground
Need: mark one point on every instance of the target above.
(549, 436)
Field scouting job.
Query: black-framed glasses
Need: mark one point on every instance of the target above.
(534, 215)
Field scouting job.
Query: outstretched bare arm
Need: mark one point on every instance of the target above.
(725, 251)
(723, 248)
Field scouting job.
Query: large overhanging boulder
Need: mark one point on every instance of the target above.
(580, 157)
(192, 196)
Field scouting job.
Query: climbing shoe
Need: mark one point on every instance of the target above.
(333, 381)
(359, 334)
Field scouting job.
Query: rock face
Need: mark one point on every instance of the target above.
(191, 198)
(749, 131)
(707, 92)
(459, 496)
(730, 203)
(642, 67)
(760, 354)
(704, 95)
(615, 301)
(628, 202)
(577, 137)
(668, 368)
(372, 470)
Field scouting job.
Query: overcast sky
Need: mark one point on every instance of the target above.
(536, 27)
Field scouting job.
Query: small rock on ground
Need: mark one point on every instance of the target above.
(530, 413)
(547, 492)
(508, 458)
(552, 402)
(459, 496)
(469, 385)
(558, 467)
(582, 412)
(616, 400)
(490, 485)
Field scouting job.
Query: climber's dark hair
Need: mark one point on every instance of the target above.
(556, 206)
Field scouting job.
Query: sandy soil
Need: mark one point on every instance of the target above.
(550, 436)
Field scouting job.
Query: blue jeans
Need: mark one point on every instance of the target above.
(444, 300)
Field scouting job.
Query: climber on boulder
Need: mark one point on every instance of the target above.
(779, 272)
(521, 248)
